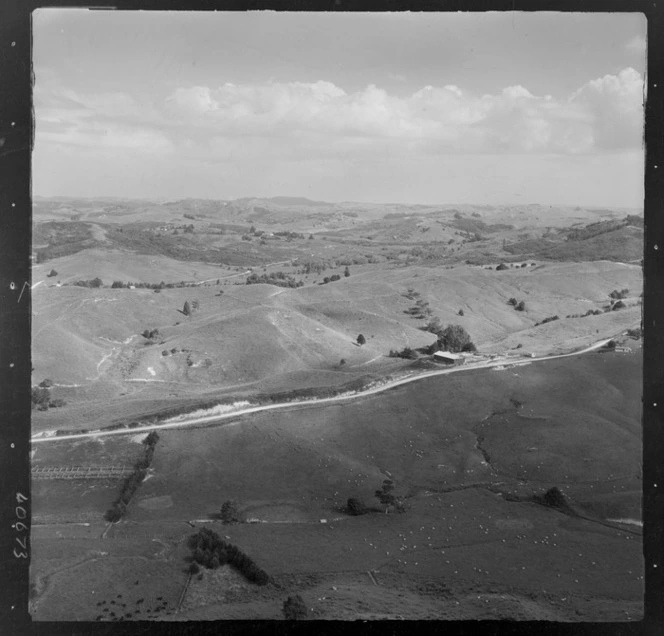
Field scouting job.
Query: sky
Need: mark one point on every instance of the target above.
(433, 108)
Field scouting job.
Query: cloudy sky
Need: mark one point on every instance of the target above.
(417, 108)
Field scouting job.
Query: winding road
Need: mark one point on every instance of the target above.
(315, 402)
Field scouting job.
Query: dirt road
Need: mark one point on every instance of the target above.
(315, 402)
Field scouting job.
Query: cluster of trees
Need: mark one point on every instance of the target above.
(452, 338)
(274, 278)
(590, 312)
(635, 333)
(290, 235)
(421, 309)
(617, 295)
(118, 284)
(150, 334)
(406, 353)
(189, 308)
(94, 283)
(211, 551)
(41, 397)
(331, 279)
(314, 266)
(547, 319)
(131, 484)
(519, 305)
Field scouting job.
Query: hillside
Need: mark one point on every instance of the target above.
(89, 342)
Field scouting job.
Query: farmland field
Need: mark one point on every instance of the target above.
(515, 479)
(472, 542)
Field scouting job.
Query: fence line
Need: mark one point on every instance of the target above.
(80, 472)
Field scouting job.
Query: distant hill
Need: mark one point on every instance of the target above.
(296, 201)
(607, 240)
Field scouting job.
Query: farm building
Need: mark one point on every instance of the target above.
(447, 357)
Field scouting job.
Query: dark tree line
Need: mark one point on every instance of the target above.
(211, 551)
(131, 484)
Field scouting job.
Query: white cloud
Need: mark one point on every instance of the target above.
(636, 45)
(299, 120)
(615, 105)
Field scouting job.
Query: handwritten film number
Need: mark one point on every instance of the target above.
(19, 526)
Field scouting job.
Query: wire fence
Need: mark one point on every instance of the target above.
(80, 472)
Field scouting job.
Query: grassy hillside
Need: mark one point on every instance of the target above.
(254, 338)
(466, 462)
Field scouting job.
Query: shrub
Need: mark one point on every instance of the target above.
(46, 383)
(406, 352)
(294, 608)
(40, 397)
(501, 267)
(361, 340)
(342, 362)
(355, 507)
(521, 306)
(57, 403)
(634, 333)
(512, 301)
(618, 305)
(164, 352)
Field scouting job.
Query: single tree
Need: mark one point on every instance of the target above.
(229, 512)
(460, 312)
(52, 273)
(346, 272)
(521, 306)
(361, 340)
(294, 608)
(512, 301)
(454, 338)
(186, 310)
(386, 497)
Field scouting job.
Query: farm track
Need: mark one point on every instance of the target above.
(318, 402)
